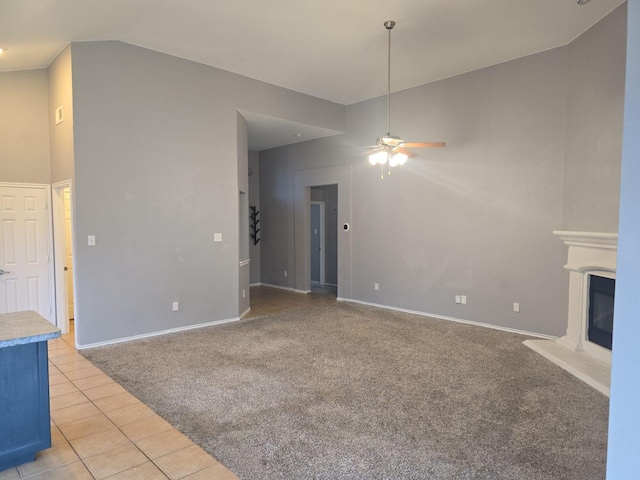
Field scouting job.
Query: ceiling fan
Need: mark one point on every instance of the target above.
(390, 149)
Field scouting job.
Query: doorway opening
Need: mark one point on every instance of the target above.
(318, 241)
(64, 256)
(323, 230)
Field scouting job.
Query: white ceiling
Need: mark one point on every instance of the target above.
(269, 132)
(332, 49)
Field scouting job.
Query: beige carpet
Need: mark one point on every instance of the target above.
(352, 392)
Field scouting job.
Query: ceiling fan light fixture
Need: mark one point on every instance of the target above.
(401, 158)
(398, 158)
(378, 158)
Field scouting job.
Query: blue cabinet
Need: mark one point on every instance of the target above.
(24, 403)
(24, 387)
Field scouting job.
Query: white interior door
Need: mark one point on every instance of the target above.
(68, 264)
(24, 250)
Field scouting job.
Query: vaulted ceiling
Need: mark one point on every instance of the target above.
(332, 49)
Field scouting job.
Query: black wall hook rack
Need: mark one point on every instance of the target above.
(253, 225)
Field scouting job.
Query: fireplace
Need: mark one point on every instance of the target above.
(591, 255)
(601, 299)
(585, 349)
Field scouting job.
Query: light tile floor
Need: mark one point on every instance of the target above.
(99, 430)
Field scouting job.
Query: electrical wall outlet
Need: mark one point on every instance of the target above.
(175, 306)
(516, 307)
(285, 274)
(376, 286)
(217, 237)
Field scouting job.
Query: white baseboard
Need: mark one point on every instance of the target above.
(450, 319)
(255, 284)
(158, 333)
(281, 287)
(339, 299)
(290, 289)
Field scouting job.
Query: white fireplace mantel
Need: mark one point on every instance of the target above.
(590, 250)
(590, 253)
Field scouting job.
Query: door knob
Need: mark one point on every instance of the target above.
(2, 272)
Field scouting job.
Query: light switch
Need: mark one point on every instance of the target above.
(217, 237)
(91, 240)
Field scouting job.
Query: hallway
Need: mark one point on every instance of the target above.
(266, 300)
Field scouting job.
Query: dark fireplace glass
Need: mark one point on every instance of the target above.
(601, 296)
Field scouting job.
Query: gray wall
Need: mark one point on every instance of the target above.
(61, 95)
(624, 420)
(286, 175)
(242, 153)
(276, 218)
(475, 218)
(156, 175)
(254, 199)
(24, 128)
(594, 126)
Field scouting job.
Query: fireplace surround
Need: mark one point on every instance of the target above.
(590, 254)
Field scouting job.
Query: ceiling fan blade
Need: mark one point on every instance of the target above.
(408, 153)
(424, 145)
(372, 151)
